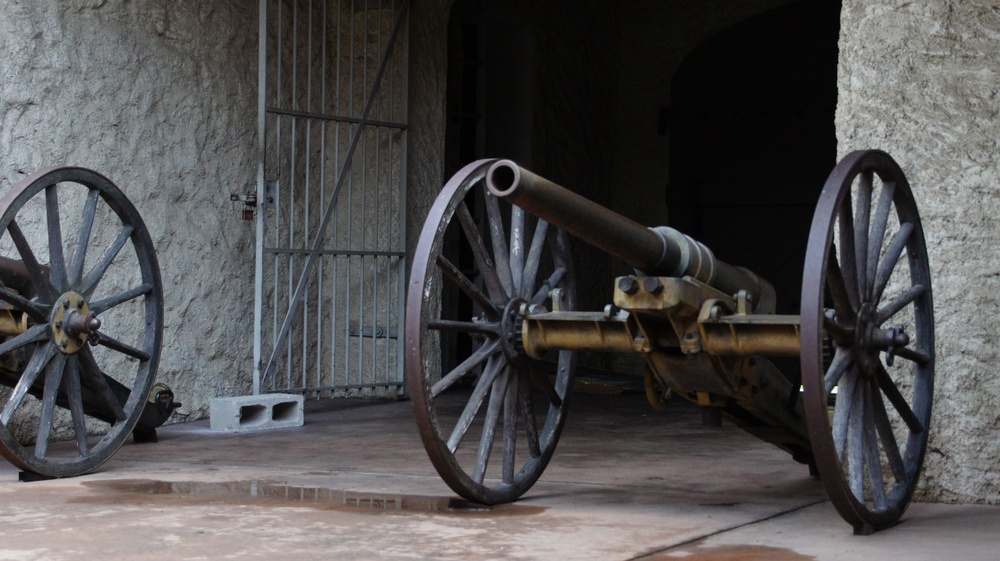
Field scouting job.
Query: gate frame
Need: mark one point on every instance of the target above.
(262, 370)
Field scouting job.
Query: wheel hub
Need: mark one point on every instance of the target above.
(510, 329)
(73, 323)
(872, 340)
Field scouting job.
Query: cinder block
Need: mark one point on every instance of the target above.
(247, 413)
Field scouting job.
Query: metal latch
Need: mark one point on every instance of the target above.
(249, 203)
(249, 200)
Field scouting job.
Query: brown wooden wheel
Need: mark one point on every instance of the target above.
(488, 415)
(866, 293)
(81, 283)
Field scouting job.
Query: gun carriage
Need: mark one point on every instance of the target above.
(855, 407)
(81, 321)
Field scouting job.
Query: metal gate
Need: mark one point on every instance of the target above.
(330, 200)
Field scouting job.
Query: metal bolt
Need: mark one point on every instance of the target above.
(58, 325)
(628, 285)
(65, 304)
(79, 305)
(652, 285)
(64, 344)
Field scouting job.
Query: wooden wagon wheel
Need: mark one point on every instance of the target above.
(867, 290)
(469, 287)
(92, 306)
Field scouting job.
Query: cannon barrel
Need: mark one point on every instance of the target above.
(14, 274)
(660, 251)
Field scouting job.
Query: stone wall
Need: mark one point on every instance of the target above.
(921, 81)
(160, 96)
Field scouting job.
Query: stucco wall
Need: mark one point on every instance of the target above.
(160, 96)
(921, 81)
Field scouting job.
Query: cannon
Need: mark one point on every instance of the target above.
(493, 330)
(81, 323)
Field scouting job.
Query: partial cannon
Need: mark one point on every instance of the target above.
(492, 297)
(81, 324)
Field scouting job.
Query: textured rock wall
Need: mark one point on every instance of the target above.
(921, 81)
(161, 97)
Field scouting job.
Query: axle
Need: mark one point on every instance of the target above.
(661, 251)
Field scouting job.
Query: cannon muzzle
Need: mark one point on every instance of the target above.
(660, 251)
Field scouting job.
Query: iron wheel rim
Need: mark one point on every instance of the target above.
(473, 484)
(93, 379)
(854, 449)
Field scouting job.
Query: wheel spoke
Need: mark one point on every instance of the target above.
(848, 254)
(57, 263)
(912, 355)
(510, 427)
(499, 239)
(528, 416)
(842, 410)
(466, 286)
(53, 380)
(497, 393)
(110, 342)
(74, 394)
(897, 400)
(888, 262)
(102, 306)
(36, 312)
(898, 303)
(34, 334)
(75, 270)
(845, 304)
(862, 207)
(842, 360)
(93, 278)
(855, 448)
(91, 375)
(517, 233)
(534, 258)
(888, 438)
(552, 282)
(483, 385)
(877, 236)
(475, 359)
(39, 279)
(39, 359)
(873, 459)
(481, 254)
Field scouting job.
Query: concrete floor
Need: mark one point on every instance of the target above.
(626, 483)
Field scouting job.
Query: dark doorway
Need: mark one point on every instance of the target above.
(752, 139)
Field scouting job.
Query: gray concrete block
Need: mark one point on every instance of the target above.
(256, 412)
